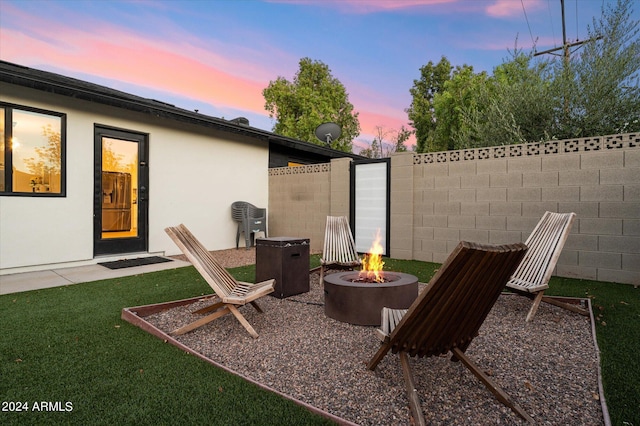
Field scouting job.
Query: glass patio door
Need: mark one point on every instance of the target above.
(120, 192)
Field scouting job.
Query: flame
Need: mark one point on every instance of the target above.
(372, 262)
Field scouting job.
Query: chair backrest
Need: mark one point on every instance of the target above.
(220, 280)
(239, 210)
(254, 212)
(449, 312)
(339, 246)
(545, 244)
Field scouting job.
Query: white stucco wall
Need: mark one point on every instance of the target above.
(195, 174)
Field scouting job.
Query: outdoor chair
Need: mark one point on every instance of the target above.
(339, 250)
(545, 243)
(448, 313)
(250, 220)
(229, 293)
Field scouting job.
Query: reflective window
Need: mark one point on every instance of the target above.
(2, 155)
(33, 151)
(119, 188)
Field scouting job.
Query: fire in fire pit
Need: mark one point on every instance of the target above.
(372, 264)
(358, 297)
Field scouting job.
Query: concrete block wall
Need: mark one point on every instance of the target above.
(497, 195)
(301, 198)
(340, 196)
(492, 195)
(402, 199)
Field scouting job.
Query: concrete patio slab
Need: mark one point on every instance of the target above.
(26, 281)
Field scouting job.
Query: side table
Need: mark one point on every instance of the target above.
(286, 259)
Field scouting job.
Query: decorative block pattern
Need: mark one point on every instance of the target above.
(299, 170)
(566, 146)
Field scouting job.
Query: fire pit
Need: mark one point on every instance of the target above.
(347, 299)
(358, 297)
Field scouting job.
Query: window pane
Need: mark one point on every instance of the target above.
(36, 148)
(2, 133)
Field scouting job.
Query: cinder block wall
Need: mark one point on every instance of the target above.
(493, 195)
(497, 195)
(300, 201)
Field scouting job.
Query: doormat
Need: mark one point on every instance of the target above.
(129, 263)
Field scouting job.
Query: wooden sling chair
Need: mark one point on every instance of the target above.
(339, 250)
(447, 314)
(230, 294)
(545, 243)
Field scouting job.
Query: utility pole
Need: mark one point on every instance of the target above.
(566, 47)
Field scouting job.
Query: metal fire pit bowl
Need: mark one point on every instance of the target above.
(361, 303)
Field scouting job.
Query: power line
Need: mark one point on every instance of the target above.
(566, 46)
(553, 31)
(527, 19)
(577, 34)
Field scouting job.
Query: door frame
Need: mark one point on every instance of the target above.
(139, 243)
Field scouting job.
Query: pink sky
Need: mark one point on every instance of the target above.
(165, 53)
(117, 54)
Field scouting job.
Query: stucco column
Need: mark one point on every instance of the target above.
(340, 187)
(401, 239)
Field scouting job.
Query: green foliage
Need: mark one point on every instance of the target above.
(603, 83)
(386, 142)
(593, 91)
(515, 105)
(312, 98)
(461, 93)
(421, 112)
(401, 137)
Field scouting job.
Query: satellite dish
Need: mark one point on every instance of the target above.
(328, 132)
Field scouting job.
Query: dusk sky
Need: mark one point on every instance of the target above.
(218, 55)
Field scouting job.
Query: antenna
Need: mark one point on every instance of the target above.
(328, 132)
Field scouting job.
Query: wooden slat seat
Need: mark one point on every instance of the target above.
(448, 313)
(545, 244)
(339, 249)
(230, 293)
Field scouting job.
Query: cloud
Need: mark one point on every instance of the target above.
(370, 120)
(117, 54)
(368, 6)
(510, 8)
(171, 64)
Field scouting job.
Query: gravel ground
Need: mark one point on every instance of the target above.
(230, 258)
(548, 366)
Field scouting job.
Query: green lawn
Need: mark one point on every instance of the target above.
(68, 347)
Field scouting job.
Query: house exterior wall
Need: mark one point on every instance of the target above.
(195, 174)
(498, 194)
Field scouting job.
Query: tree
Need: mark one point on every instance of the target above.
(461, 92)
(400, 137)
(522, 104)
(604, 78)
(515, 105)
(421, 112)
(46, 167)
(312, 98)
(372, 151)
(380, 149)
(596, 92)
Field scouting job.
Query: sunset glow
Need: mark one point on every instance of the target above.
(218, 56)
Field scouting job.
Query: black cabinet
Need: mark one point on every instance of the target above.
(286, 259)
